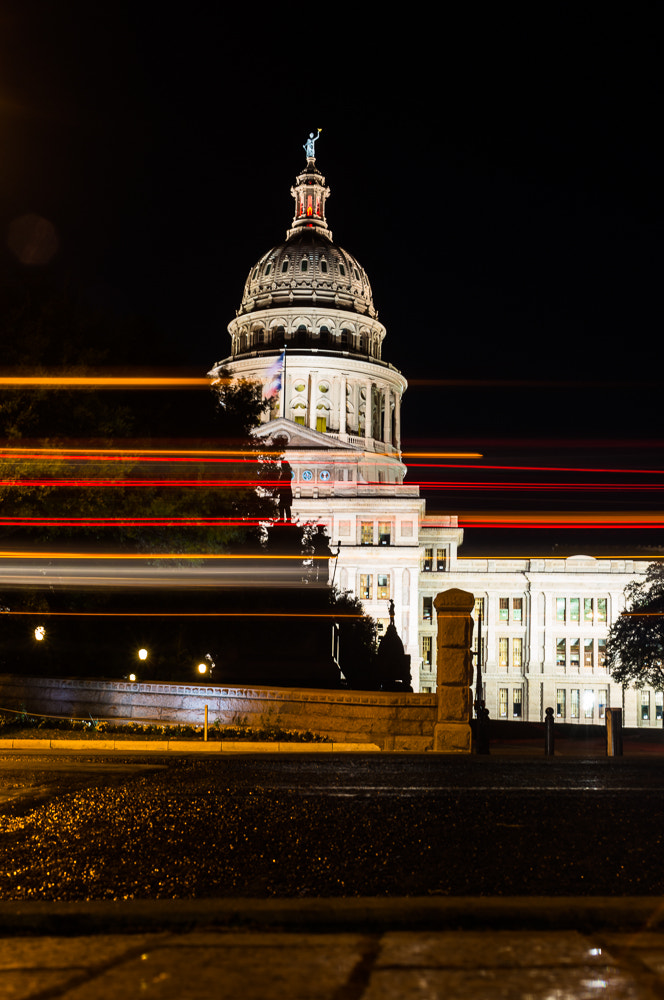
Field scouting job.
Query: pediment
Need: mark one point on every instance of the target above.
(298, 436)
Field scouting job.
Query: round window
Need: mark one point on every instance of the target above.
(307, 475)
(300, 387)
(324, 475)
(323, 387)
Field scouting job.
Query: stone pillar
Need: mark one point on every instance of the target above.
(451, 733)
(397, 421)
(313, 395)
(368, 414)
(342, 406)
(387, 431)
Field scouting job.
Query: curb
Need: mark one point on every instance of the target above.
(333, 914)
(186, 746)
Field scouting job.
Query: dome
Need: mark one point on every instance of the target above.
(308, 269)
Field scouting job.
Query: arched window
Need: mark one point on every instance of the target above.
(324, 335)
(304, 264)
(268, 269)
(323, 266)
(342, 270)
(345, 338)
(284, 266)
(301, 335)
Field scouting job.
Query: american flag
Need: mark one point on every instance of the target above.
(273, 376)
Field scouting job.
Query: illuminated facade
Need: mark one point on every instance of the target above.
(307, 324)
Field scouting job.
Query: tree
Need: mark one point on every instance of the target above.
(635, 648)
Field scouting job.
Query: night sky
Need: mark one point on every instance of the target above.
(500, 181)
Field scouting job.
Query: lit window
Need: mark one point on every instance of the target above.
(561, 658)
(502, 702)
(504, 609)
(517, 652)
(427, 609)
(588, 609)
(479, 608)
(299, 419)
(645, 706)
(575, 703)
(323, 387)
(383, 587)
(384, 532)
(560, 609)
(601, 652)
(321, 424)
(601, 703)
(574, 609)
(503, 652)
(560, 703)
(366, 587)
(588, 704)
(441, 560)
(366, 533)
(575, 653)
(427, 565)
(517, 609)
(426, 651)
(601, 609)
(659, 704)
(517, 696)
(588, 659)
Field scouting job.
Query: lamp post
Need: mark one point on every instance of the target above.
(481, 711)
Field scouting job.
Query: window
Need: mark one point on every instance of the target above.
(426, 651)
(342, 270)
(323, 266)
(428, 560)
(575, 702)
(441, 560)
(659, 705)
(503, 609)
(427, 609)
(588, 704)
(601, 652)
(366, 587)
(284, 266)
(575, 653)
(574, 609)
(304, 264)
(588, 609)
(560, 609)
(601, 703)
(517, 609)
(517, 695)
(560, 703)
(503, 652)
(479, 608)
(366, 533)
(299, 419)
(502, 703)
(601, 609)
(384, 532)
(383, 587)
(588, 660)
(561, 656)
(517, 652)
(645, 706)
(321, 424)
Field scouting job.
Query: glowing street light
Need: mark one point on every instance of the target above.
(142, 654)
(40, 633)
(202, 668)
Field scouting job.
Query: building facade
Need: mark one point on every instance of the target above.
(307, 327)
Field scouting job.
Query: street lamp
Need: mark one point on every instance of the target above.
(142, 654)
(40, 633)
(202, 668)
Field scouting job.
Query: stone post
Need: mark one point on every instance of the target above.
(451, 732)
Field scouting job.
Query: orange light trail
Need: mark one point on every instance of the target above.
(125, 522)
(183, 614)
(105, 382)
(142, 556)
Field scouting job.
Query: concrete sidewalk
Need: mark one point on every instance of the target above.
(349, 949)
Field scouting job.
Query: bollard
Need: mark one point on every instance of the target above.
(614, 738)
(549, 738)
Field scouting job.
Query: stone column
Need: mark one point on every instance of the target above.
(313, 395)
(387, 425)
(397, 421)
(452, 733)
(342, 406)
(368, 414)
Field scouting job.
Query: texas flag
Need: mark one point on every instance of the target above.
(273, 377)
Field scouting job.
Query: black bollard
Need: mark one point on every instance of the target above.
(548, 733)
(614, 737)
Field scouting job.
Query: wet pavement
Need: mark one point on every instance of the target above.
(367, 956)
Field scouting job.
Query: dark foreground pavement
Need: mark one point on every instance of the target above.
(360, 949)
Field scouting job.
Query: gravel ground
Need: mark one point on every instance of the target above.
(191, 829)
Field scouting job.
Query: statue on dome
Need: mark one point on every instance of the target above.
(309, 145)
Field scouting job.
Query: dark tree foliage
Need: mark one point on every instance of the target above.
(635, 648)
(47, 332)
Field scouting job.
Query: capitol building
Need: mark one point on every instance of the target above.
(307, 323)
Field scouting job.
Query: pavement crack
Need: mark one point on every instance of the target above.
(358, 980)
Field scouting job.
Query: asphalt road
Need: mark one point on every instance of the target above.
(77, 828)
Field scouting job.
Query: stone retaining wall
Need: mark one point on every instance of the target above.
(392, 721)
